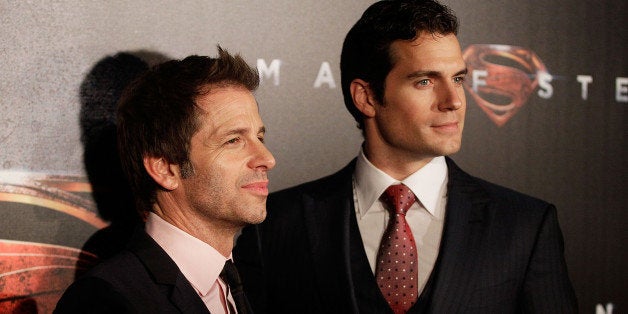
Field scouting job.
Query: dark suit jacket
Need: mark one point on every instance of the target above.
(501, 252)
(141, 279)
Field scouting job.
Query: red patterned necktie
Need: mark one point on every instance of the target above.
(396, 271)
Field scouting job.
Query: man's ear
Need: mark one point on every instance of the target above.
(363, 97)
(163, 172)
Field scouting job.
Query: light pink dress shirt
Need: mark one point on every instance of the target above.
(199, 262)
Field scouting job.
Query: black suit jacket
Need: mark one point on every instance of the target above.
(501, 252)
(141, 279)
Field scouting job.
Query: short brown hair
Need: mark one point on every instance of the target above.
(366, 49)
(158, 115)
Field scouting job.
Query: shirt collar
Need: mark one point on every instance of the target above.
(199, 262)
(426, 183)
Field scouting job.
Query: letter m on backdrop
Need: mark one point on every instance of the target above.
(269, 71)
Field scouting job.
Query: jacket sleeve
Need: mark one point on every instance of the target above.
(93, 295)
(547, 288)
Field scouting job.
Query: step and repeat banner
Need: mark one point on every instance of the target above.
(547, 115)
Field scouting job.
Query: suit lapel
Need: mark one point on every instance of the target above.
(461, 242)
(327, 215)
(166, 273)
(327, 219)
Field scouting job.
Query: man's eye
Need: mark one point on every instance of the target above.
(233, 140)
(459, 79)
(424, 82)
(261, 139)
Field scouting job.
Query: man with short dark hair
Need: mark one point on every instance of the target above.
(192, 144)
(402, 229)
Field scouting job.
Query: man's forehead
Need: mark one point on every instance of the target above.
(224, 115)
(222, 97)
(425, 49)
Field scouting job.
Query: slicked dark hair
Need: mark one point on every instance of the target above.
(158, 115)
(366, 50)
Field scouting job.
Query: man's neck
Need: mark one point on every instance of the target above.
(219, 237)
(395, 164)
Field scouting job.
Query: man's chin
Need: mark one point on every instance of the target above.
(450, 148)
(258, 217)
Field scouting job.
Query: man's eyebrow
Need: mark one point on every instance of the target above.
(244, 130)
(462, 72)
(236, 131)
(418, 74)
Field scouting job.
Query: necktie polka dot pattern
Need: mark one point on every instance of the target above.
(396, 270)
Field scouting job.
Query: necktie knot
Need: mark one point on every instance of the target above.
(229, 275)
(399, 198)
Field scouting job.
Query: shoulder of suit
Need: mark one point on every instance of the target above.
(494, 192)
(325, 185)
(114, 266)
(502, 192)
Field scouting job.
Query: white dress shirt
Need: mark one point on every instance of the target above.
(425, 217)
(199, 262)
